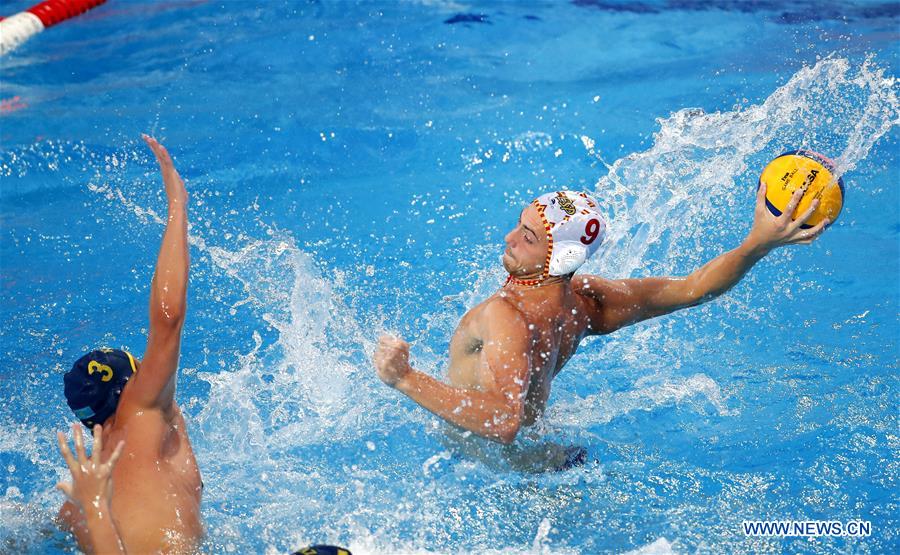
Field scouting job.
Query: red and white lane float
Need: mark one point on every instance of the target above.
(16, 29)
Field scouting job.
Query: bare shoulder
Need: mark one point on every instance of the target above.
(503, 306)
(598, 288)
(500, 314)
(150, 426)
(598, 296)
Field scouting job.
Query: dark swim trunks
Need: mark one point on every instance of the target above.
(576, 455)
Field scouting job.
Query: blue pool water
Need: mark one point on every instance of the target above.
(353, 167)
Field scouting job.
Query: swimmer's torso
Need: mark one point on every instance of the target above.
(156, 484)
(558, 319)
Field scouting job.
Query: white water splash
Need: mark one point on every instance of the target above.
(310, 368)
(603, 407)
(659, 547)
(702, 167)
(320, 348)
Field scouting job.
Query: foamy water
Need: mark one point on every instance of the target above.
(300, 443)
(323, 387)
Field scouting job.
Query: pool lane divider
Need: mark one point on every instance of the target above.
(16, 29)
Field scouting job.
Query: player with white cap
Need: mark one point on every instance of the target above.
(507, 349)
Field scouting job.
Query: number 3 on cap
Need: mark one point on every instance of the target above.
(95, 366)
(591, 231)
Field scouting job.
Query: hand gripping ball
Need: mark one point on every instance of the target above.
(803, 168)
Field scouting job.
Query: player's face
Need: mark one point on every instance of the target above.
(526, 245)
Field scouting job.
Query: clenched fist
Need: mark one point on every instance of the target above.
(392, 359)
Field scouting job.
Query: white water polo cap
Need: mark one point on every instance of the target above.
(575, 230)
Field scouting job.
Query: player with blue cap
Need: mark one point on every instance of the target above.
(129, 405)
(95, 382)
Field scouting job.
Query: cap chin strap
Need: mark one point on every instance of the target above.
(525, 282)
(546, 272)
(551, 265)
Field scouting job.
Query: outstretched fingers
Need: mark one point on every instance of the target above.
(175, 190)
(79, 445)
(807, 236)
(115, 456)
(98, 445)
(65, 452)
(792, 204)
(807, 214)
(66, 488)
(761, 195)
(162, 155)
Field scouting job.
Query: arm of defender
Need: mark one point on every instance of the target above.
(494, 413)
(154, 385)
(627, 301)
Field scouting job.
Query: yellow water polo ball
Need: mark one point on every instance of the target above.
(803, 168)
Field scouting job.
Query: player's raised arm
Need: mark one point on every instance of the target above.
(495, 412)
(627, 301)
(154, 384)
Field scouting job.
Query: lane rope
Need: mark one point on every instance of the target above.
(18, 28)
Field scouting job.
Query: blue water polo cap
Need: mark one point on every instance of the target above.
(322, 550)
(95, 382)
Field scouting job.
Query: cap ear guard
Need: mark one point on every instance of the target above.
(567, 257)
(575, 229)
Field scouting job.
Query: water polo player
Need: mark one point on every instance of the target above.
(506, 351)
(156, 496)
